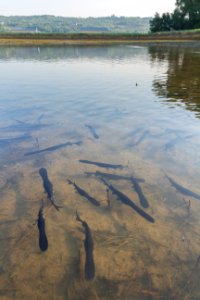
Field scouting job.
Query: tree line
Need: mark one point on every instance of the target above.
(52, 24)
(186, 15)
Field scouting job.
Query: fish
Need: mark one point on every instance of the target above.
(48, 187)
(138, 190)
(101, 165)
(140, 139)
(40, 118)
(171, 144)
(89, 247)
(43, 242)
(197, 261)
(124, 199)
(53, 148)
(7, 140)
(93, 131)
(182, 189)
(19, 121)
(108, 198)
(22, 126)
(177, 140)
(114, 176)
(84, 193)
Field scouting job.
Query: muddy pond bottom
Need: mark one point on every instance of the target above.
(99, 173)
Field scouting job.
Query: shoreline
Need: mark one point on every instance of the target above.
(93, 39)
(49, 42)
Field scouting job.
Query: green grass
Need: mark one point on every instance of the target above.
(97, 38)
(93, 35)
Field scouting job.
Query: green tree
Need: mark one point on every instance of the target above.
(166, 22)
(185, 16)
(161, 23)
(191, 11)
(178, 20)
(156, 23)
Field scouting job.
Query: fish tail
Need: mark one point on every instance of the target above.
(69, 181)
(78, 217)
(41, 207)
(57, 207)
(103, 181)
(106, 184)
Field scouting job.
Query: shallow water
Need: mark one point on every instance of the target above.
(137, 107)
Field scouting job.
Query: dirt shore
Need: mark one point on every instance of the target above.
(24, 39)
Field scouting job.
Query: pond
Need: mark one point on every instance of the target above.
(99, 150)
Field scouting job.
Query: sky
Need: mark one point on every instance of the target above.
(86, 8)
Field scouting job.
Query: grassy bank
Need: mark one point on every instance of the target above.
(96, 38)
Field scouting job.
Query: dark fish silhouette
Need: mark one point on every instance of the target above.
(89, 246)
(141, 138)
(22, 126)
(182, 189)
(170, 144)
(53, 148)
(48, 187)
(40, 118)
(19, 121)
(84, 193)
(113, 176)
(93, 131)
(43, 242)
(124, 199)
(6, 141)
(101, 165)
(138, 190)
(177, 140)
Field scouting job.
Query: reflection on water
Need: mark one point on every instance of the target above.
(181, 85)
(117, 159)
(70, 53)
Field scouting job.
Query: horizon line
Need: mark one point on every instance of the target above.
(81, 17)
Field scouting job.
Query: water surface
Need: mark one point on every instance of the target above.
(137, 107)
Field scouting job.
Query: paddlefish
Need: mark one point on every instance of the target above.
(48, 187)
(84, 193)
(114, 176)
(124, 199)
(43, 242)
(53, 148)
(182, 189)
(138, 190)
(89, 246)
(93, 131)
(101, 165)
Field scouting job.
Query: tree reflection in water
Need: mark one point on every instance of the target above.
(181, 85)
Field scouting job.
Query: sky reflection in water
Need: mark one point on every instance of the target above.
(143, 104)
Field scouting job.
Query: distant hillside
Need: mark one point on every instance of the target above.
(52, 24)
